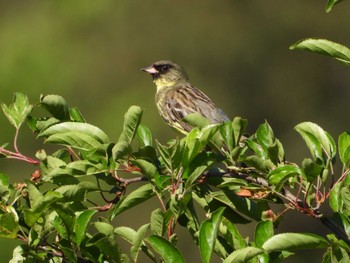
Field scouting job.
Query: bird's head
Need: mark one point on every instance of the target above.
(166, 74)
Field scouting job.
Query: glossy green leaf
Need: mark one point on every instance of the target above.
(56, 105)
(242, 205)
(226, 132)
(105, 228)
(136, 197)
(77, 129)
(311, 169)
(132, 119)
(238, 125)
(294, 241)
(18, 111)
(324, 47)
(243, 255)
(263, 231)
(344, 149)
(208, 234)
(232, 235)
(168, 252)
(317, 140)
(265, 136)
(279, 175)
(144, 135)
(121, 149)
(84, 167)
(83, 219)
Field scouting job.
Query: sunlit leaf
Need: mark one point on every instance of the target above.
(77, 128)
(83, 219)
(168, 252)
(294, 241)
(325, 47)
(243, 255)
(317, 140)
(132, 119)
(344, 149)
(18, 111)
(330, 4)
(144, 135)
(208, 233)
(263, 231)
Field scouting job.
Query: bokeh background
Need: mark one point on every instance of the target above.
(237, 52)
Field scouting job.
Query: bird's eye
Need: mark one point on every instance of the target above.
(164, 68)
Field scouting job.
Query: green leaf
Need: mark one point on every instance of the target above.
(147, 169)
(324, 47)
(126, 233)
(56, 105)
(344, 149)
(240, 204)
(238, 125)
(8, 222)
(76, 115)
(105, 228)
(226, 132)
(330, 4)
(18, 111)
(83, 219)
(157, 222)
(317, 140)
(263, 231)
(121, 149)
(168, 252)
(311, 169)
(279, 175)
(265, 136)
(138, 241)
(136, 197)
(144, 135)
(232, 235)
(294, 241)
(243, 255)
(76, 192)
(108, 246)
(76, 129)
(208, 233)
(132, 119)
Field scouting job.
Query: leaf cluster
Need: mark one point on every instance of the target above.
(67, 209)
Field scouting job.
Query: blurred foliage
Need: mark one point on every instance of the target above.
(237, 52)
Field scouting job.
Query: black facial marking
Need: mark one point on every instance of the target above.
(163, 68)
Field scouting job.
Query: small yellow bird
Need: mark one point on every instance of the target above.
(176, 97)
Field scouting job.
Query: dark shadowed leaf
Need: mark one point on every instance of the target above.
(56, 105)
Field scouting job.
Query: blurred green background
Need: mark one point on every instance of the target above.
(90, 52)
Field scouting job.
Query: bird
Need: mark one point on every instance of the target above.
(176, 97)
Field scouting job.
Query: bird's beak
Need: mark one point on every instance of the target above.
(150, 70)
